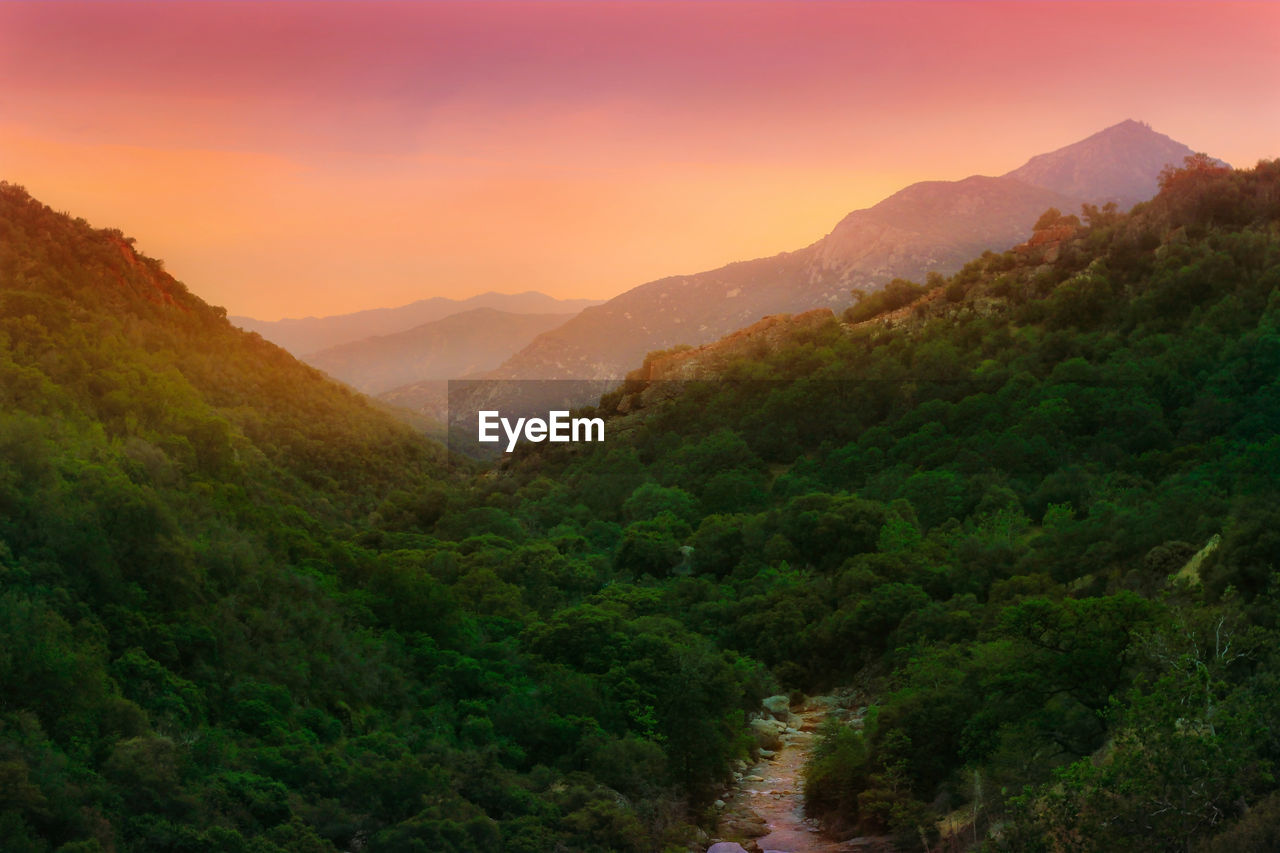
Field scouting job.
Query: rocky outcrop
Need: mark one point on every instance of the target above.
(912, 313)
(1045, 243)
(158, 288)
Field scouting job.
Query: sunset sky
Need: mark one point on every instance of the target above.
(297, 158)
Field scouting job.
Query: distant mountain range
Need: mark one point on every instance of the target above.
(405, 355)
(456, 346)
(929, 226)
(306, 335)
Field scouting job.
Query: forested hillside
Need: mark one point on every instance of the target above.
(1032, 516)
(241, 609)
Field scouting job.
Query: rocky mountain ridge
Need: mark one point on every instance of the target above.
(933, 226)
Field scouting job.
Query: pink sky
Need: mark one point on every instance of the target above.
(295, 158)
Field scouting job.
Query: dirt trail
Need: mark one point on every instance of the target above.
(770, 798)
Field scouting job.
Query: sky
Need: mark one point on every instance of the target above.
(312, 158)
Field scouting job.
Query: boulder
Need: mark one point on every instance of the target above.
(779, 706)
(743, 826)
(768, 733)
(819, 703)
(726, 847)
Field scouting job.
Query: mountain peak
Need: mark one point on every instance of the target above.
(1129, 124)
(1130, 131)
(1119, 163)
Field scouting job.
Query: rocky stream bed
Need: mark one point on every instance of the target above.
(764, 810)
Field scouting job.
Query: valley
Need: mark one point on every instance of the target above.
(1029, 506)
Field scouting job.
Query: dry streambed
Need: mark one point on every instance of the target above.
(764, 811)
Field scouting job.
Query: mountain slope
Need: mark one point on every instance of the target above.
(306, 335)
(468, 342)
(127, 346)
(1119, 164)
(1026, 515)
(228, 614)
(604, 340)
(930, 226)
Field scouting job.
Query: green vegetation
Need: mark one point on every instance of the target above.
(240, 609)
(896, 294)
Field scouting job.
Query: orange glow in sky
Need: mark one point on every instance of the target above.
(298, 158)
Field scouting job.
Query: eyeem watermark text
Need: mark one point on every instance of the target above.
(558, 427)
